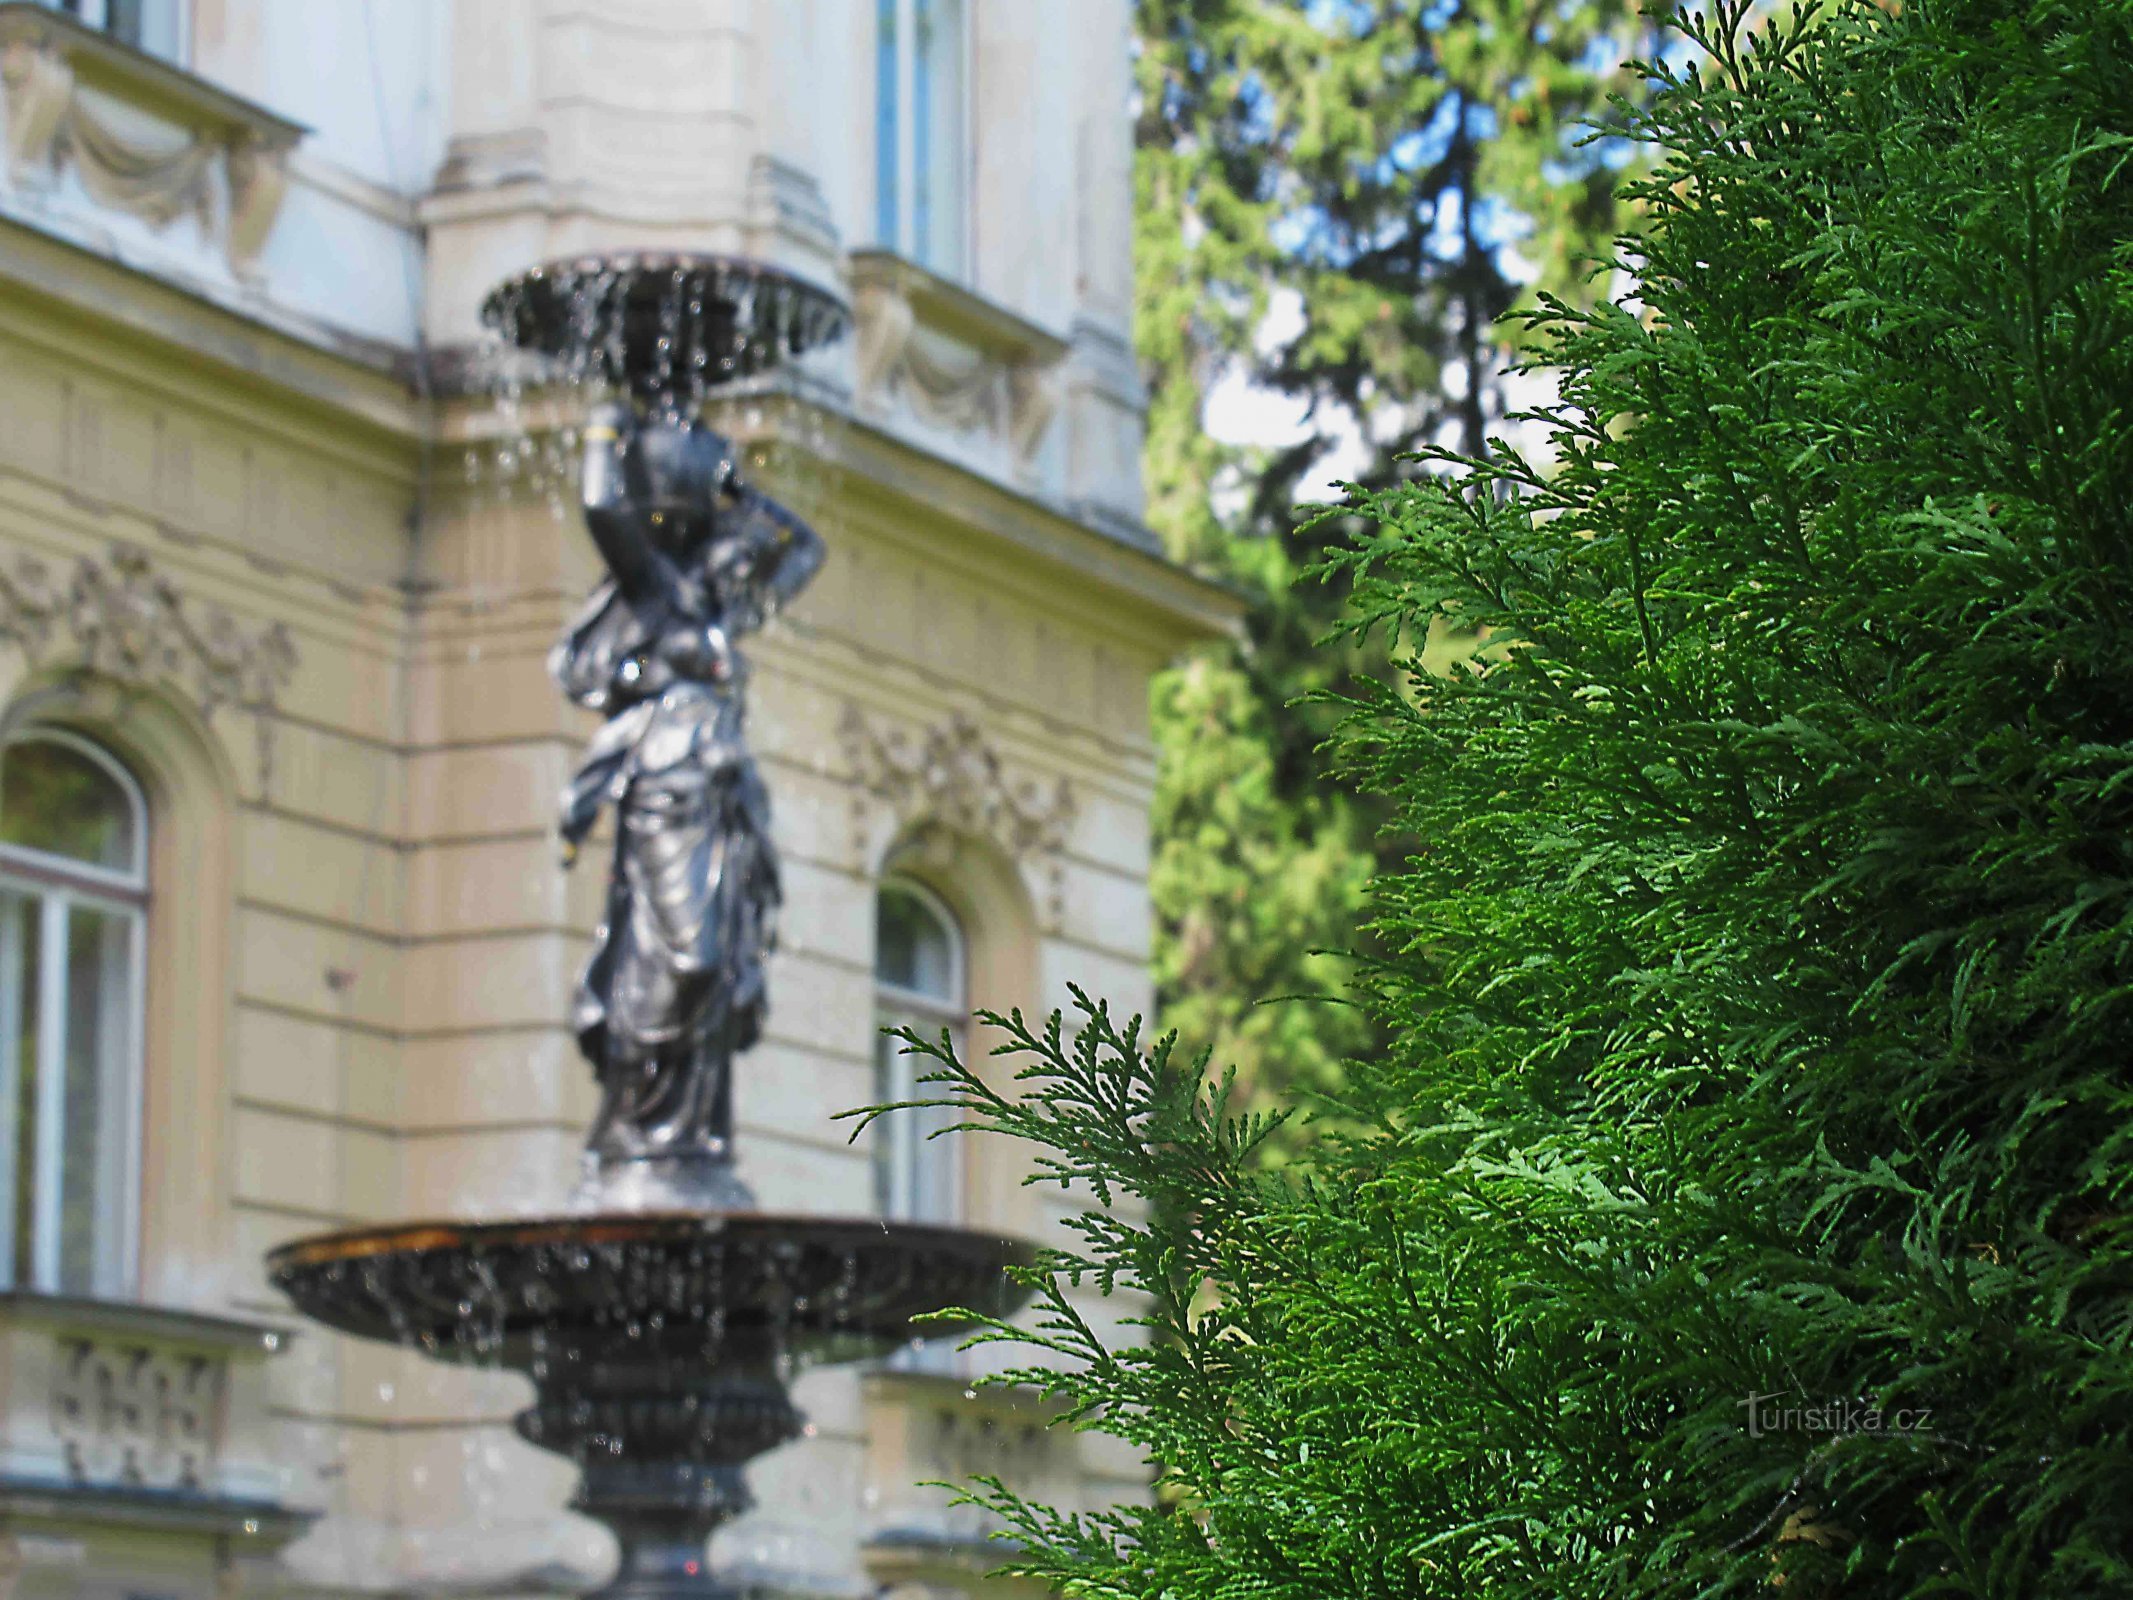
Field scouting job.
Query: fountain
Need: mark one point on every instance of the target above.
(659, 1314)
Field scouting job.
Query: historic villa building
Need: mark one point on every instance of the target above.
(284, 943)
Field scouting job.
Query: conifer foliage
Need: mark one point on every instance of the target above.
(1742, 1206)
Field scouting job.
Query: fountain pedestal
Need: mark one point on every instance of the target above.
(662, 1429)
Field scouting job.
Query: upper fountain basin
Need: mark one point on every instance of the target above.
(665, 328)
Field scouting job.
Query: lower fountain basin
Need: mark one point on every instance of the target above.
(660, 1344)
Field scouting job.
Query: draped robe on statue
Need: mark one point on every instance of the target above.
(675, 987)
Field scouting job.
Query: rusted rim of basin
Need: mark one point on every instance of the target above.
(636, 1227)
(812, 1275)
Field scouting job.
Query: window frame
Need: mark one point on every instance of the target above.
(898, 170)
(96, 14)
(895, 1005)
(55, 884)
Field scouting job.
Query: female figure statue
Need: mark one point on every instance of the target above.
(675, 987)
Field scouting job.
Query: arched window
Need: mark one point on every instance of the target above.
(918, 984)
(73, 900)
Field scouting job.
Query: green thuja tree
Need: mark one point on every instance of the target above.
(1740, 1206)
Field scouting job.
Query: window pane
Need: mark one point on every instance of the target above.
(54, 798)
(18, 1079)
(885, 124)
(161, 34)
(922, 71)
(888, 1088)
(940, 157)
(915, 1175)
(92, 1173)
(933, 1178)
(914, 948)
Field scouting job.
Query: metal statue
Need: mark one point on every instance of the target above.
(675, 988)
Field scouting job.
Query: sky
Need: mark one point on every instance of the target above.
(1240, 412)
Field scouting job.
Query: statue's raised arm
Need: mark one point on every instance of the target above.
(761, 559)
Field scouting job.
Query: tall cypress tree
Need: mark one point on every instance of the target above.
(1744, 1203)
(1381, 159)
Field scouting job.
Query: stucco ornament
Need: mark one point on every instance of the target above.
(950, 777)
(118, 617)
(676, 985)
(141, 138)
(135, 1415)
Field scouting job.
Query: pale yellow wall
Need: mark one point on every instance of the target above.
(362, 954)
(362, 960)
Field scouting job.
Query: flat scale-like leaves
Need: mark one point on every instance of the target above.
(1744, 1201)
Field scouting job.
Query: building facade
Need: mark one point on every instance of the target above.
(284, 940)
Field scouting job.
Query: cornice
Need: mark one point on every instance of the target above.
(1158, 595)
(352, 398)
(891, 484)
(180, 1327)
(249, 363)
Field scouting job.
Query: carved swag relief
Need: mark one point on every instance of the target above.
(142, 137)
(955, 362)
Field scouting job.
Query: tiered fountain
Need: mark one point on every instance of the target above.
(659, 1314)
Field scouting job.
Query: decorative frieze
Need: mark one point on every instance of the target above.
(949, 779)
(100, 1396)
(135, 1415)
(143, 137)
(120, 618)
